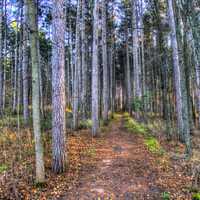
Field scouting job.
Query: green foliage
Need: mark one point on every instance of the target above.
(91, 152)
(46, 123)
(196, 196)
(10, 121)
(86, 124)
(154, 146)
(135, 127)
(142, 129)
(3, 168)
(137, 104)
(116, 116)
(165, 196)
(126, 115)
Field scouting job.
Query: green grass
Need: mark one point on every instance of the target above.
(10, 121)
(154, 146)
(85, 124)
(135, 127)
(91, 152)
(165, 196)
(3, 168)
(116, 116)
(196, 196)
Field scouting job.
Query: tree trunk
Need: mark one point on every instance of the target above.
(95, 71)
(136, 67)
(5, 54)
(84, 63)
(58, 87)
(40, 173)
(25, 66)
(77, 69)
(184, 130)
(14, 105)
(105, 63)
(1, 57)
(128, 77)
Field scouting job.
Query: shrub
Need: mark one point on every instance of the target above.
(196, 196)
(85, 124)
(154, 146)
(3, 168)
(165, 196)
(135, 127)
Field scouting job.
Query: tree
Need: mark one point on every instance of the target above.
(95, 71)
(77, 74)
(1, 56)
(33, 27)
(128, 76)
(25, 66)
(105, 64)
(136, 66)
(58, 88)
(83, 60)
(183, 129)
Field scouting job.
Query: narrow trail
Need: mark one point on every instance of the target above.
(124, 170)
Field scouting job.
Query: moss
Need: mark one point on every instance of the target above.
(91, 152)
(154, 146)
(165, 196)
(3, 168)
(196, 196)
(46, 123)
(126, 115)
(10, 121)
(135, 127)
(85, 124)
(116, 116)
(40, 185)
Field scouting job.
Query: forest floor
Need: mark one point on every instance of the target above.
(118, 165)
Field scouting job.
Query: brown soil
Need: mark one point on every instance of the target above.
(124, 169)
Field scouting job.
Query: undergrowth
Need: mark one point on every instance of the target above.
(196, 196)
(154, 146)
(135, 127)
(165, 196)
(3, 168)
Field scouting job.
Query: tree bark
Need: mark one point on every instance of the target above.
(84, 63)
(105, 63)
(128, 77)
(136, 67)
(77, 80)
(95, 71)
(1, 57)
(58, 87)
(40, 172)
(184, 130)
(25, 66)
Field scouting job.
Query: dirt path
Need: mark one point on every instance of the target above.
(125, 170)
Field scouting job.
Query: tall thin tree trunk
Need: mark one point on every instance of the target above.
(14, 105)
(136, 66)
(71, 58)
(77, 80)
(105, 63)
(1, 57)
(184, 130)
(128, 76)
(95, 71)
(32, 10)
(25, 66)
(84, 62)
(58, 87)
(5, 54)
